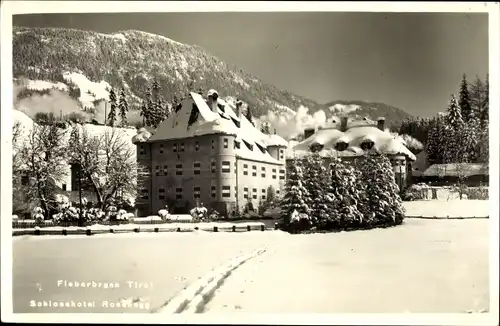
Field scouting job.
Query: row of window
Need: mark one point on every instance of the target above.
(226, 193)
(180, 147)
(162, 170)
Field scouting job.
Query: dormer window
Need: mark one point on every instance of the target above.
(249, 146)
(341, 146)
(236, 122)
(237, 144)
(367, 145)
(316, 147)
(262, 149)
(223, 115)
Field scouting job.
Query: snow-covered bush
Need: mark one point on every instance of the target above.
(299, 222)
(38, 214)
(163, 213)
(476, 193)
(418, 191)
(214, 215)
(199, 213)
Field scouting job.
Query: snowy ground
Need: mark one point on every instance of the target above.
(422, 266)
(452, 208)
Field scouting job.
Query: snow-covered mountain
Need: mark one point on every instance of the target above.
(84, 64)
(87, 62)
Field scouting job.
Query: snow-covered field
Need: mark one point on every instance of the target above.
(444, 208)
(420, 266)
(423, 266)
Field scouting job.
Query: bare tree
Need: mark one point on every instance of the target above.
(41, 157)
(107, 163)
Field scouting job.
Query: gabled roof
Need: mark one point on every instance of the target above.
(207, 122)
(456, 169)
(354, 136)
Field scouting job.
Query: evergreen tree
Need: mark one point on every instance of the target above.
(464, 100)
(123, 105)
(113, 106)
(484, 114)
(382, 204)
(434, 147)
(144, 114)
(317, 187)
(248, 115)
(454, 117)
(344, 197)
(155, 91)
(477, 97)
(296, 195)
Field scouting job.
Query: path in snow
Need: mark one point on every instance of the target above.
(422, 266)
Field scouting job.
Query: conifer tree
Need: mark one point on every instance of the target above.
(484, 115)
(434, 146)
(317, 185)
(296, 195)
(248, 115)
(113, 107)
(381, 203)
(344, 196)
(454, 117)
(144, 114)
(123, 105)
(464, 100)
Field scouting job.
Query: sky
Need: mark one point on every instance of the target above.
(413, 61)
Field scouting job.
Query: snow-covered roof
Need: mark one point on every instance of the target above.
(224, 121)
(356, 134)
(456, 169)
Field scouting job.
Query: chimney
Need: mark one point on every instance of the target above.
(308, 132)
(275, 131)
(343, 123)
(238, 108)
(381, 123)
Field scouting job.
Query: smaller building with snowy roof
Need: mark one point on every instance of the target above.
(350, 139)
(207, 151)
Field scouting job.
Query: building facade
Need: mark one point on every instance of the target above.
(199, 155)
(350, 140)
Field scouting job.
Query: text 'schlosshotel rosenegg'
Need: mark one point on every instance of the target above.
(104, 285)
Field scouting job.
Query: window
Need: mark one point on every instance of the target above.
(274, 173)
(237, 144)
(196, 146)
(144, 193)
(161, 148)
(142, 150)
(213, 144)
(282, 174)
(174, 147)
(226, 191)
(178, 193)
(197, 167)
(161, 193)
(245, 192)
(245, 169)
(165, 170)
(367, 145)
(212, 166)
(341, 146)
(254, 170)
(263, 172)
(178, 169)
(196, 192)
(226, 167)
(254, 195)
(213, 191)
(63, 187)
(282, 154)
(226, 143)
(157, 170)
(263, 194)
(182, 148)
